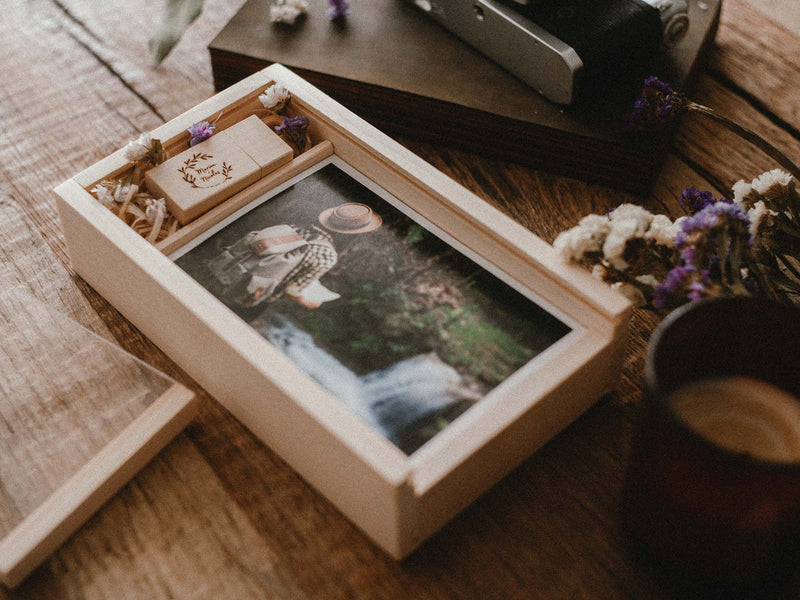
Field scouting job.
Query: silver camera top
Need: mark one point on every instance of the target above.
(555, 45)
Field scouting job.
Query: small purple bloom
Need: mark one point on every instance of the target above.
(200, 131)
(673, 289)
(695, 200)
(293, 129)
(665, 107)
(338, 9)
(688, 255)
(682, 283)
(697, 291)
(732, 215)
(712, 234)
(657, 105)
(714, 217)
(292, 124)
(655, 83)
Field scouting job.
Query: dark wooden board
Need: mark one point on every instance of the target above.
(409, 76)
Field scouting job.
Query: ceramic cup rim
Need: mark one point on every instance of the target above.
(655, 396)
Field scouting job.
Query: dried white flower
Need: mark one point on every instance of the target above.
(155, 208)
(631, 292)
(663, 231)
(587, 236)
(741, 189)
(632, 214)
(597, 225)
(770, 178)
(756, 214)
(614, 247)
(104, 196)
(139, 148)
(274, 95)
(628, 221)
(599, 271)
(648, 280)
(287, 11)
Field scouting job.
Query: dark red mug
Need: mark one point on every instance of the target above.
(713, 521)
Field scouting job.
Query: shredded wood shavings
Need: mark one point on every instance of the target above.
(146, 215)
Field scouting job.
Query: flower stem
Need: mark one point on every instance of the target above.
(748, 135)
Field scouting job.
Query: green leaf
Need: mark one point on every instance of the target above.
(175, 18)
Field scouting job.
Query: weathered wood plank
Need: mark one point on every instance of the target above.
(545, 203)
(722, 155)
(783, 12)
(761, 55)
(218, 514)
(118, 35)
(173, 532)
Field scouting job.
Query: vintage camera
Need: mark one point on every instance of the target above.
(561, 46)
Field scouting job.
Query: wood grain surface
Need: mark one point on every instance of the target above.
(217, 514)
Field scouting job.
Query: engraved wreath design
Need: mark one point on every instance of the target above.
(189, 169)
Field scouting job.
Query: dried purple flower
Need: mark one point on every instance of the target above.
(657, 105)
(695, 200)
(293, 130)
(671, 291)
(200, 131)
(682, 283)
(658, 85)
(716, 218)
(338, 9)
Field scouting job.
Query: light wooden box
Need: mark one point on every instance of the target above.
(397, 499)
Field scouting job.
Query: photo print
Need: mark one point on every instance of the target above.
(384, 312)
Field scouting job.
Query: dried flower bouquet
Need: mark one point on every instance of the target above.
(746, 246)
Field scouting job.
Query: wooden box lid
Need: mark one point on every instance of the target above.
(81, 417)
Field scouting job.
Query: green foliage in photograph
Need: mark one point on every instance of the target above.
(414, 303)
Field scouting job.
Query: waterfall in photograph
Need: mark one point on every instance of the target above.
(389, 400)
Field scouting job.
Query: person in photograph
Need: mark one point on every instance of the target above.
(287, 261)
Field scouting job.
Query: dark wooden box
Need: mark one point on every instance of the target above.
(408, 76)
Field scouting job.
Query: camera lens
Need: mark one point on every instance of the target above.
(675, 29)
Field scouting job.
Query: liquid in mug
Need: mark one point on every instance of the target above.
(743, 415)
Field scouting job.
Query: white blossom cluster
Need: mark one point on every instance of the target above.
(609, 235)
(287, 11)
(275, 95)
(633, 293)
(762, 185)
(664, 250)
(139, 148)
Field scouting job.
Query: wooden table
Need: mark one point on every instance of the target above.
(217, 514)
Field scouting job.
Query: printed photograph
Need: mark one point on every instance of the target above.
(394, 322)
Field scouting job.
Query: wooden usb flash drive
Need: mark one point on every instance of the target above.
(213, 170)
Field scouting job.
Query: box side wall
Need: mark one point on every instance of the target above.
(452, 492)
(377, 503)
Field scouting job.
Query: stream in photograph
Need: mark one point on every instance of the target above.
(393, 399)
